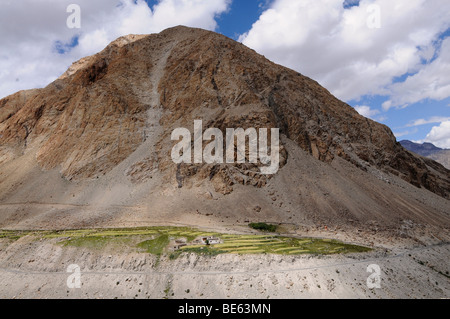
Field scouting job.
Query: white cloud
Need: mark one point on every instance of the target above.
(366, 111)
(440, 135)
(431, 82)
(335, 46)
(432, 120)
(29, 30)
(92, 42)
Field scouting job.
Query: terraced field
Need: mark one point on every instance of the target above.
(156, 240)
(240, 244)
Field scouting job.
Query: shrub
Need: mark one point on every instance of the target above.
(263, 227)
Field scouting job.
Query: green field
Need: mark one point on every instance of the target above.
(155, 240)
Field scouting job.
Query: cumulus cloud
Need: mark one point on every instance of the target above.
(440, 135)
(431, 82)
(341, 46)
(366, 111)
(34, 33)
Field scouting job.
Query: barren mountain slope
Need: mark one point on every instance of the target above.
(93, 148)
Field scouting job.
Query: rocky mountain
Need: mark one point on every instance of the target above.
(425, 149)
(429, 150)
(93, 148)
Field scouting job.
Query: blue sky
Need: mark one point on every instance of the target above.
(240, 17)
(388, 59)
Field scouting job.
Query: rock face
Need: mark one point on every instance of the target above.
(116, 110)
(437, 154)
